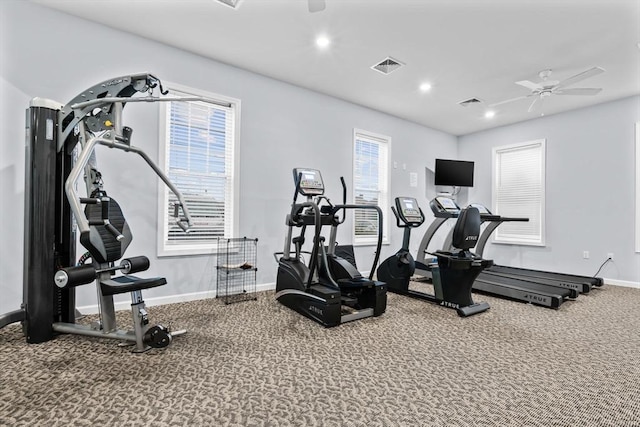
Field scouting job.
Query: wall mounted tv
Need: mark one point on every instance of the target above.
(456, 173)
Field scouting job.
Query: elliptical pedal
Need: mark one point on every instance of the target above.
(348, 301)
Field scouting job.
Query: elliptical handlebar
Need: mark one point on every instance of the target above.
(297, 190)
(337, 208)
(316, 237)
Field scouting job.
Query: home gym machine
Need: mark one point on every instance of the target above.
(56, 134)
(329, 289)
(455, 272)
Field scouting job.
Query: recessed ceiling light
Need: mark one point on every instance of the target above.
(425, 87)
(323, 42)
(489, 114)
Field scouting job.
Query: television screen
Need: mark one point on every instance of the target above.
(457, 173)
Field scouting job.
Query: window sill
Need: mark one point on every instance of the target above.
(186, 251)
(518, 243)
(360, 244)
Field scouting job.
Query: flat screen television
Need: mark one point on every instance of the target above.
(456, 173)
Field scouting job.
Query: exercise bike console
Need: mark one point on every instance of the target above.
(407, 212)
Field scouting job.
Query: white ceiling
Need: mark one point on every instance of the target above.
(464, 48)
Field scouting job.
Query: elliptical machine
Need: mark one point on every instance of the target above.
(329, 290)
(456, 271)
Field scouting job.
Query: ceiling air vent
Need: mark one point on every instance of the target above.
(230, 3)
(387, 66)
(470, 101)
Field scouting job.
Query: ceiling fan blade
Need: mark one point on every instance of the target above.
(509, 100)
(316, 5)
(579, 77)
(578, 91)
(529, 85)
(533, 104)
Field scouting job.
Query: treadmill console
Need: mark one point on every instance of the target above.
(444, 207)
(311, 183)
(481, 208)
(408, 211)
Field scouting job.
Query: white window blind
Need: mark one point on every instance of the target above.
(199, 156)
(519, 191)
(370, 184)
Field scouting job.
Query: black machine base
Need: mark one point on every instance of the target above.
(456, 295)
(326, 304)
(472, 309)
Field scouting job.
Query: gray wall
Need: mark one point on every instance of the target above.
(590, 190)
(48, 54)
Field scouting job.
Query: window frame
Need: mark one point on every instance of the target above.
(384, 199)
(501, 238)
(210, 246)
(637, 187)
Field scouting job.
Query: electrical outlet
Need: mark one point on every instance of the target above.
(585, 254)
(610, 255)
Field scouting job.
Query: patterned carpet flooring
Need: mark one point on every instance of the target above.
(257, 363)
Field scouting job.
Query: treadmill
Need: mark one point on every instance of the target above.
(543, 292)
(582, 284)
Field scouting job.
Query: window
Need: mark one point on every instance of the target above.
(370, 184)
(198, 152)
(519, 191)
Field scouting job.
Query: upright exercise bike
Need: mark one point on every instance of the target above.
(328, 290)
(456, 271)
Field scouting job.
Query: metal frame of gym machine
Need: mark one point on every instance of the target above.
(53, 131)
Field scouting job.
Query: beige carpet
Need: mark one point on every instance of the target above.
(258, 363)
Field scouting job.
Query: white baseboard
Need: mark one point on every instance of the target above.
(625, 283)
(170, 299)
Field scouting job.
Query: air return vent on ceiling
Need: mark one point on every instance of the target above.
(470, 101)
(387, 66)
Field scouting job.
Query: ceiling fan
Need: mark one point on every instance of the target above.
(547, 87)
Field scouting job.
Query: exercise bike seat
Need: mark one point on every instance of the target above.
(124, 284)
(461, 260)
